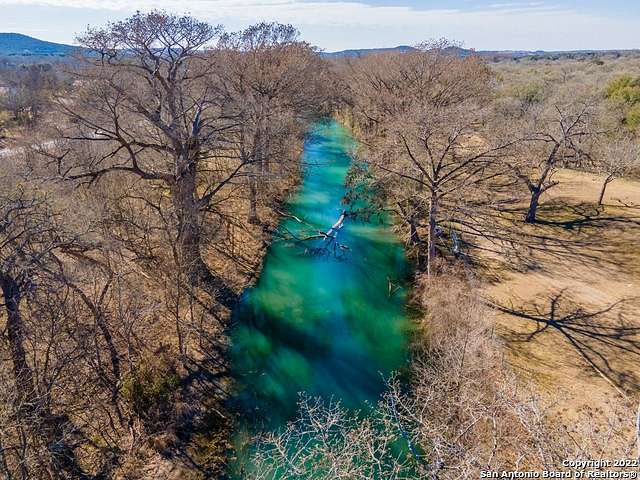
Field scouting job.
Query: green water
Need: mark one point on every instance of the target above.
(325, 318)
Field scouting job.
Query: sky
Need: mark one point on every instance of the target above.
(341, 24)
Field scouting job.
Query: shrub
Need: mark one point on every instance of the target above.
(632, 118)
(624, 89)
(150, 391)
(529, 93)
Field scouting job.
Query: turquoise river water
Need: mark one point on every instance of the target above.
(327, 317)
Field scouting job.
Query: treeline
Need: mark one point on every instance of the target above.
(25, 91)
(454, 149)
(131, 218)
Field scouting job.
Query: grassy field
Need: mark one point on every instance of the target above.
(574, 310)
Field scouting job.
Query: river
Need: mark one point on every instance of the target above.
(327, 317)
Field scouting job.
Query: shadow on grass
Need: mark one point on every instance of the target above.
(583, 216)
(605, 339)
(586, 234)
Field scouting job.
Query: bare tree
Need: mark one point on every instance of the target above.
(555, 134)
(29, 238)
(617, 158)
(28, 89)
(275, 83)
(423, 124)
(148, 104)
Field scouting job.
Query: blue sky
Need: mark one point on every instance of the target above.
(341, 24)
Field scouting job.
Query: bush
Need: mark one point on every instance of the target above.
(624, 89)
(150, 390)
(529, 93)
(632, 118)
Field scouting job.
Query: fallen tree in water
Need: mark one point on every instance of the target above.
(329, 245)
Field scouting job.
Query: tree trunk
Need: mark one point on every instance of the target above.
(414, 236)
(606, 182)
(32, 408)
(23, 375)
(15, 332)
(256, 168)
(263, 142)
(5, 473)
(533, 206)
(253, 200)
(537, 189)
(112, 383)
(183, 194)
(413, 211)
(431, 247)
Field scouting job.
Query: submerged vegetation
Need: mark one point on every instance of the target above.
(143, 184)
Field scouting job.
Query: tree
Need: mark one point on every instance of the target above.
(617, 158)
(553, 136)
(425, 130)
(157, 149)
(624, 93)
(29, 238)
(148, 106)
(276, 83)
(28, 91)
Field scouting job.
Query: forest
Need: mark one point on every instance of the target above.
(149, 184)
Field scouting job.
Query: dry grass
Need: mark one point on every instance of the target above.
(589, 261)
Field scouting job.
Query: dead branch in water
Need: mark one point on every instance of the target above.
(330, 243)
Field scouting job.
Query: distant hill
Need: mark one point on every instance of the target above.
(26, 49)
(495, 55)
(16, 44)
(366, 51)
(462, 52)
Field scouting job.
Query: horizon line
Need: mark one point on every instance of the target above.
(403, 45)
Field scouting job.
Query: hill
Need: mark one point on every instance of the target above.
(29, 49)
(366, 51)
(17, 44)
(495, 55)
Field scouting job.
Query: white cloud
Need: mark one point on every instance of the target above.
(303, 12)
(341, 24)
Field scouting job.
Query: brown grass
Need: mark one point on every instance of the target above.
(598, 269)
